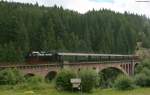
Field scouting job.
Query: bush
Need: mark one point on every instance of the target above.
(145, 71)
(124, 83)
(10, 76)
(89, 79)
(142, 77)
(144, 64)
(142, 80)
(63, 79)
(34, 80)
(108, 76)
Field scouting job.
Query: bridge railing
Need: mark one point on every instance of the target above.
(28, 66)
(103, 62)
(36, 66)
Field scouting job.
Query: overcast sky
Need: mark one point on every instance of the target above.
(83, 6)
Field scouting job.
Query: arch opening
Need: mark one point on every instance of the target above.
(51, 75)
(136, 68)
(29, 75)
(108, 76)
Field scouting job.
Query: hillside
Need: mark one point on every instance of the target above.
(27, 27)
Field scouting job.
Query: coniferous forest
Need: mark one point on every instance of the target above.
(27, 27)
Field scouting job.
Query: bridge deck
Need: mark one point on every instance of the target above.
(57, 64)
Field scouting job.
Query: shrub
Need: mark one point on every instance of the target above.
(142, 80)
(144, 64)
(10, 76)
(89, 79)
(108, 76)
(124, 83)
(145, 71)
(63, 79)
(142, 77)
(34, 80)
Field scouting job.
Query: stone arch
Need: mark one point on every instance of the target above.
(28, 75)
(135, 65)
(114, 67)
(51, 75)
(108, 76)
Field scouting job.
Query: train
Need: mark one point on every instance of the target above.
(41, 57)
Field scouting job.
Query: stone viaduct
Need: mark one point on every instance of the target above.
(126, 67)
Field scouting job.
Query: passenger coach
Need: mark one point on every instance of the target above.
(57, 57)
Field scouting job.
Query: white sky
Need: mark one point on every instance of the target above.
(83, 6)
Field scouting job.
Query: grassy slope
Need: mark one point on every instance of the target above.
(7, 90)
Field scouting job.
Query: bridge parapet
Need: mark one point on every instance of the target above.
(27, 65)
(126, 66)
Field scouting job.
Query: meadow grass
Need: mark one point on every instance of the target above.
(47, 89)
